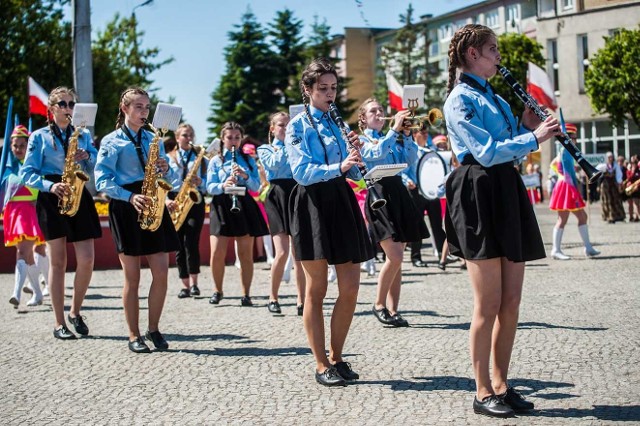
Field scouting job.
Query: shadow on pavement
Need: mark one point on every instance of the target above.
(203, 337)
(521, 326)
(249, 351)
(621, 413)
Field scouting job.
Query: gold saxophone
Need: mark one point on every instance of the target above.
(154, 187)
(631, 189)
(188, 194)
(73, 176)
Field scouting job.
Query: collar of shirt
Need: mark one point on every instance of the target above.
(375, 134)
(317, 114)
(278, 143)
(481, 81)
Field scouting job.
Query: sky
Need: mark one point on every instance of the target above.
(194, 33)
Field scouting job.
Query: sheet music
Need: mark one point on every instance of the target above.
(413, 92)
(378, 172)
(84, 115)
(167, 116)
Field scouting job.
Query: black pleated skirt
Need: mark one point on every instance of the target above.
(248, 221)
(326, 223)
(84, 225)
(399, 219)
(489, 214)
(277, 205)
(130, 238)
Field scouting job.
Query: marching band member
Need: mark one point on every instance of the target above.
(42, 170)
(120, 173)
(326, 225)
(490, 221)
(274, 159)
(610, 184)
(233, 168)
(181, 161)
(566, 199)
(20, 221)
(398, 222)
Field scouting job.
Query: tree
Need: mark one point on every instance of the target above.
(119, 62)
(286, 38)
(36, 42)
(612, 81)
(247, 92)
(516, 50)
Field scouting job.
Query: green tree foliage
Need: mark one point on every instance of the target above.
(119, 62)
(612, 80)
(287, 41)
(36, 42)
(248, 91)
(516, 50)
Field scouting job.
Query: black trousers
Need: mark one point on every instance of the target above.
(188, 255)
(434, 210)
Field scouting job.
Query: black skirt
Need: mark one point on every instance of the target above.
(326, 223)
(84, 225)
(130, 238)
(489, 214)
(277, 205)
(248, 221)
(399, 219)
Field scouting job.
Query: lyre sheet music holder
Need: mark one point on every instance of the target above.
(379, 172)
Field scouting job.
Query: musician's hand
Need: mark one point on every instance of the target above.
(547, 129)
(399, 119)
(410, 184)
(139, 201)
(60, 189)
(529, 118)
(81, 155)
(354, 140)
(171, 205)
(239, 171)
(231, 181)
(196, 180)
(352, 159)
(162, 165)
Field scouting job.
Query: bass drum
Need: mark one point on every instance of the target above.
(432, 169)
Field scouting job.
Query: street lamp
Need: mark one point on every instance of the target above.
(134, 25)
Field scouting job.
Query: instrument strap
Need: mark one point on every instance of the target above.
(185, 163)
(485, 90)
(137, 144)
(57, 133)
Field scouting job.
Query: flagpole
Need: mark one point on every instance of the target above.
(7, 140)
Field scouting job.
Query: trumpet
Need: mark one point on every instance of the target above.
(433, 118)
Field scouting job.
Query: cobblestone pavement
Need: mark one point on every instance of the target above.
(576, 354)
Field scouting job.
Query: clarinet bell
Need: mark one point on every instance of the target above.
(377, 202)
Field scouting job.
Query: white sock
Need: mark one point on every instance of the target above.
(557, 239)
(268, 247)
(21, 275)
(42, 262)
(32, 272)
(584, 234)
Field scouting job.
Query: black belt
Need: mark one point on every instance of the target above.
(469, 160)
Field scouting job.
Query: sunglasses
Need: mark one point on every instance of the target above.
(63, 104)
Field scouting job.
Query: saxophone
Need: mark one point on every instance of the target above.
(73, 176)
(188, 194)
(154, 187)
(632, 188)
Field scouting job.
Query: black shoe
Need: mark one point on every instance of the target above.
(383, 315)
(300, 310)
(216, 298)
(398, 321)
(274, 307)
(419, 263)
(492, 406)
(63, 333)
(515, 400)
(451, 259)
(195, 291)
(157, 339)
(184, 293)
(139, 346)
(464, 266)
(442, 266)
(246, 301)
(345, 371)
(79, 325)
(330, 377)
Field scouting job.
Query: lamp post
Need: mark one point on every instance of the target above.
(134, 25)
(82, 61)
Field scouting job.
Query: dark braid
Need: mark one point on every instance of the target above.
(310, 76)
(230, 125)
(471, 35)
(125, 100)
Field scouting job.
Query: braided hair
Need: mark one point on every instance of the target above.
(362, 110)
(54, 97)
(310, 76)
(471, 35)
(232, 125)
(125, 100)
(273, 118)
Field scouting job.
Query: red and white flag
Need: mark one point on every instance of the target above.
(38, 98)
(540, 88)
(395, 92)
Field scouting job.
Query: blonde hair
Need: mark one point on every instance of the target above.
(125, 100)
(272, 122)
(471, 35)
(185, 126)
(362, 110)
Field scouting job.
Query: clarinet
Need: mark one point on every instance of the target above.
(377, 201)
(592, 173)
(235, 207)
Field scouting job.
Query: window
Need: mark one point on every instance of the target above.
(513, 14)
(493, 19)
(583, 60)
(567, 4)
(552, 59)
(546, 8)
(445, 32)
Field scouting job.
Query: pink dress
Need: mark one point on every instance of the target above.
(20, 219)
(565, 195)
(360, 191)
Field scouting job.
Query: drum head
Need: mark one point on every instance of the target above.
(432, 169)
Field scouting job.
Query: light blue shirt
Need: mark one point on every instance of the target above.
(387, 150)
(45, 156)
(118, 163)
(477, 126)
(315, 155)
(219, 171)
(275, 161)
(177, 164)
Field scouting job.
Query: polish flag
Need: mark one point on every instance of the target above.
(38, 98)
(395, 92)
(540, 88)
